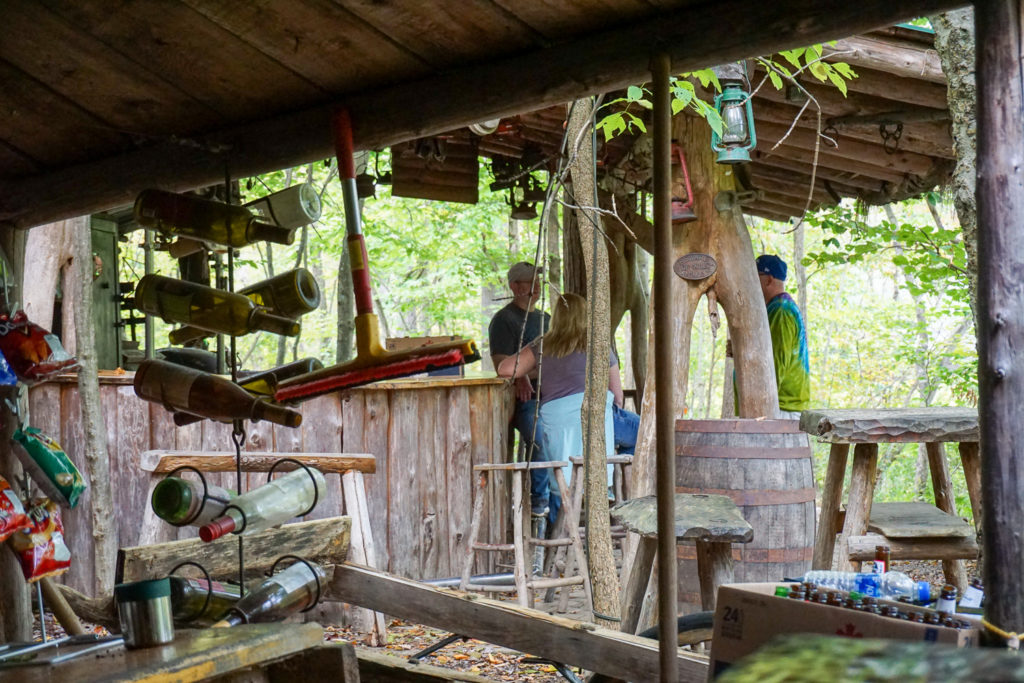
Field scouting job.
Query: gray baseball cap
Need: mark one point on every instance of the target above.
(523, 272)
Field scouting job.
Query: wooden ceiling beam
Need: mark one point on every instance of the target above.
(790, 187)
(845, 177)
(760, 172)
(929, 139)
(591, 63)
(883, 55)
(915, 91)
(831, 161)
(900, 162)
(767, 214)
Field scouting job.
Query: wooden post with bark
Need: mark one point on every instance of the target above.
(1000, 80)
(601, 561)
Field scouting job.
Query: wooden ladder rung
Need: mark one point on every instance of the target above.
(555, 583)
(490, 588)
(493, 547)
(551, 542)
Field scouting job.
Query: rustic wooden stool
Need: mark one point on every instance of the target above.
(524, 583)
(712, 521)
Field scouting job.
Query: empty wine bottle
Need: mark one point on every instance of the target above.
(274, 503)
(288, 295)
(291, 207)
(197, 602)
(287, 592)
(180, 501)
(214, 310)
(205, 219)
(179, 388)
(265, 383)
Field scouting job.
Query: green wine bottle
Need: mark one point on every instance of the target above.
(265, 383)
(179, 388)
(289, 295)
(198, 602)
(204, 219)
(206, 308)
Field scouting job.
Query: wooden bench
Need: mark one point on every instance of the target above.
(713, 522)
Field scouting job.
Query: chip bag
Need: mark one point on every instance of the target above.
(32, 352)
(12, 512)
(49, 466)
(41, 548)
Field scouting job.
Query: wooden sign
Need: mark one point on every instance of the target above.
(695, 266)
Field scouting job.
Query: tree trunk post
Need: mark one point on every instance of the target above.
(96, 456)
(603, 579)
(1000, 74)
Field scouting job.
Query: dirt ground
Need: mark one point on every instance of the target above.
(492, 661)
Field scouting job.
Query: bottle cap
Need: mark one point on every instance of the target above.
(171, 499)
(217, 528)
(924, 591)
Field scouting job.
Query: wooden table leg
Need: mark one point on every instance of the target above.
(858, 504)
(942, 486)
(714, 567)
(831, 497)
(474, 529)
(520, 573)
(636, 584)
(971, 460)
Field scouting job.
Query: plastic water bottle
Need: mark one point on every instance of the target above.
(890, 585)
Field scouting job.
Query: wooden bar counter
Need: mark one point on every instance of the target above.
(426, 434)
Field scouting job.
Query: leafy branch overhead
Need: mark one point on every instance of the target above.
(626, 114)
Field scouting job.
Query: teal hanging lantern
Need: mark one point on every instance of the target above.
(738, 136)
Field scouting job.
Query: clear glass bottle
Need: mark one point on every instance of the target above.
(180, 501)
(205, 219)
(274, 503)
(214, 310)
(179, 388)
(286, 592)
(197, 602)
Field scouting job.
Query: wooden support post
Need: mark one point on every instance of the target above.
(1000, 312)
(523, 593)
(61, 609)
(363, 551)
(636, 584)
(971, 460)
(943, 489)
(858, 505)
(714, 567)
(831, 496)
(474, 529)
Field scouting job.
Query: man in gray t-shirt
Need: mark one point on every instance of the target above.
(511, 328)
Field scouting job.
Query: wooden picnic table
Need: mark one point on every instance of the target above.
(865, 429)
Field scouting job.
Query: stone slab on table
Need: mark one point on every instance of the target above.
(892, 425)
(698, 516)
(916, 519)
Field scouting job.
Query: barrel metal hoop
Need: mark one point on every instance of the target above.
(758, 497)
(740, 426)
(743, 452)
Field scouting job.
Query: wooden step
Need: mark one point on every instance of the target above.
(862, 548)
(916, 520)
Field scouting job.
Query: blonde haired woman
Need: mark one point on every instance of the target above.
(562, 382)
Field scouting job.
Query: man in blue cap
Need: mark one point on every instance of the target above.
(789, 338)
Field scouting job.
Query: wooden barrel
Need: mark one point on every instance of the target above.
(765, 467)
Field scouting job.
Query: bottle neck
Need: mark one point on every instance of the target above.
(276, 413)
(274, 323)
(270, 233)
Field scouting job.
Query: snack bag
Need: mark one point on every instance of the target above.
(41, 548)
(12, 512)
(49, 466)
(31, 351)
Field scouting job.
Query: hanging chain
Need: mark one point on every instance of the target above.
(891, 132)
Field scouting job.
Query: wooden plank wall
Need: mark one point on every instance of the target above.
(426, 435)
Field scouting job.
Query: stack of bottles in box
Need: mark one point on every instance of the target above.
(889, 594)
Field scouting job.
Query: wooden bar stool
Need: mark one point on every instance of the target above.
(524, 584)
(712, 521)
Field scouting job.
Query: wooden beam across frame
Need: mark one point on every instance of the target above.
(694, 37)
(562, 640)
